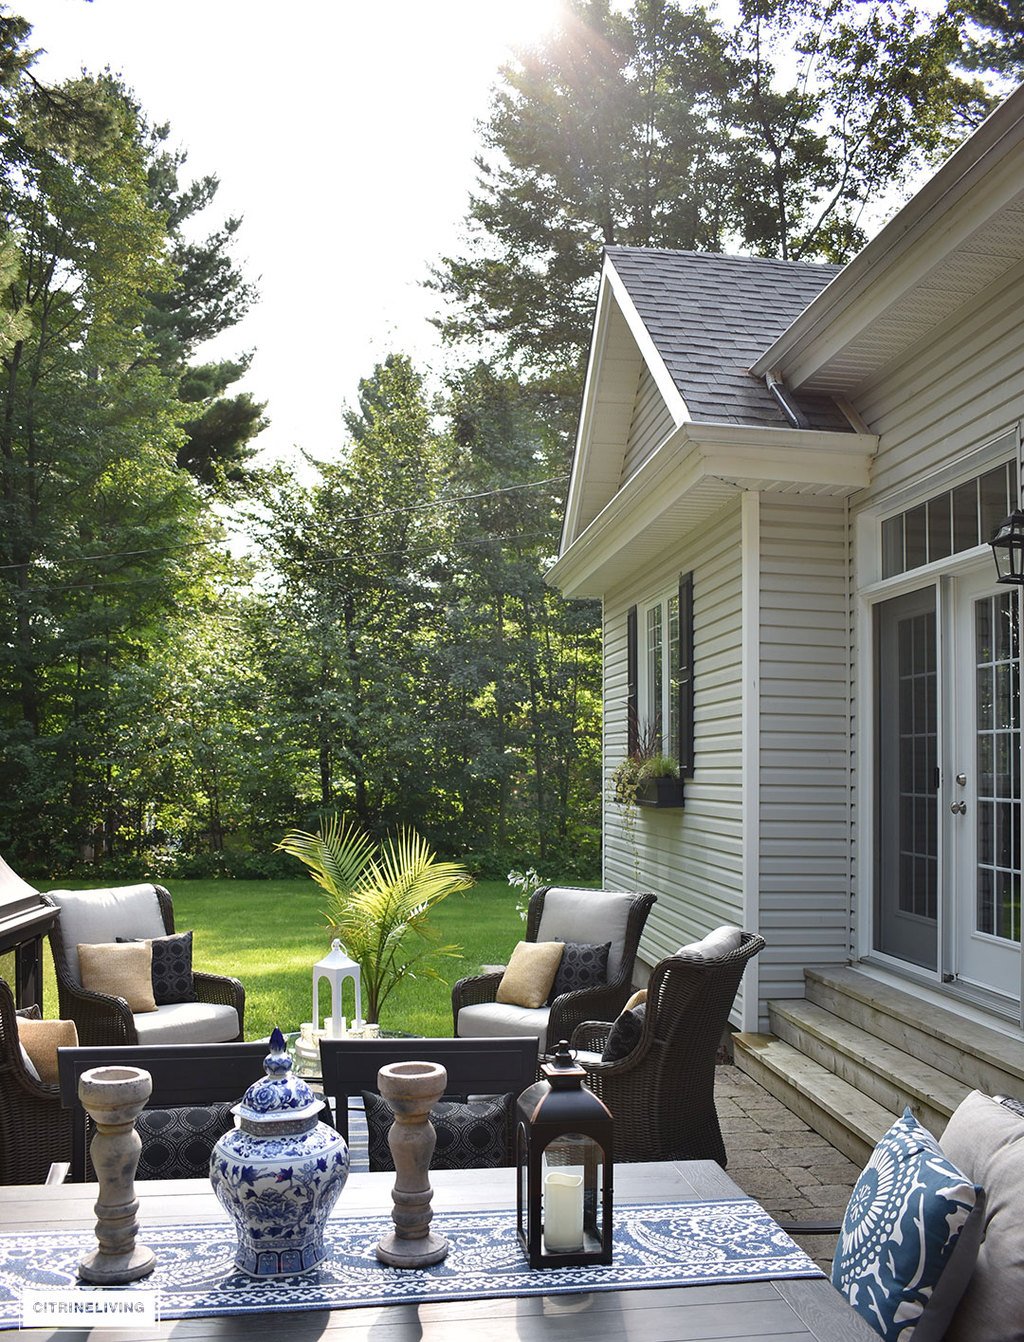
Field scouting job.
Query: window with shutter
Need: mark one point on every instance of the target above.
(659, 642)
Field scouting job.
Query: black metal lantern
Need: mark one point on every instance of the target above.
(1008, 549)
(564, 1158)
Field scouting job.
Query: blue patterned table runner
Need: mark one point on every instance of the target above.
(655, 1244)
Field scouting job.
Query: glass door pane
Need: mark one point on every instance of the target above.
(907, 888)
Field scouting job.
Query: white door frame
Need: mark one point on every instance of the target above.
(981, 961)
(942, 575)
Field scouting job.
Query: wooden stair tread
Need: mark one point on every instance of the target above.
(919, 1079)
(981, 1041)
(840, 1102)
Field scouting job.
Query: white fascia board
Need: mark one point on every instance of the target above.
(742, 453)
(974, 182)
(648, 350)
(694, 454)
(581, 452)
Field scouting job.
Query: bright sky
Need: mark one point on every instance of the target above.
(343, 131)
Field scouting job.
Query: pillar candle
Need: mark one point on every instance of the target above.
(563, 1212)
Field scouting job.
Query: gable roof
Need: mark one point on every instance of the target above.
(710, 317)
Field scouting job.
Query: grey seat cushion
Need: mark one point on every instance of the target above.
(188, 1023)
(493, 1020)
(93, 917)
(585, 916)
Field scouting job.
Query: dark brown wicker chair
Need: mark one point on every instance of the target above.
(662, 1094)
(554, 914)
(474, 1066)
(102, 1019)
(35, 1131)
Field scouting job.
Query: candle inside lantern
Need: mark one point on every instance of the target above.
(563, 1212)
(334, 1029)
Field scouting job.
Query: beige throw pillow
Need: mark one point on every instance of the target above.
(120, 969)
(531, 971)
(639, 996)
(41, 1039)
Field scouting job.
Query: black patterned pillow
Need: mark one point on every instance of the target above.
(177, 1143)
(475, 1135)
(172, 968)
(625, 1034)
(581, 966)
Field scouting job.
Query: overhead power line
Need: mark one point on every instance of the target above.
(212, 544)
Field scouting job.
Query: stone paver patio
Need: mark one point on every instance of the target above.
(775, 1157)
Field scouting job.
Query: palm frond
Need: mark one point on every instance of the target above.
(379, 897)
(336, 855)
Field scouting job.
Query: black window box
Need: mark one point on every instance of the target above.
(661, 793)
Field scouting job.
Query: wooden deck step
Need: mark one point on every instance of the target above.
(879, 1070)
(850, 1120)
(974, 1055)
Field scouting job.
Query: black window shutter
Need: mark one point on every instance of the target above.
(632, 684)
(685, 675)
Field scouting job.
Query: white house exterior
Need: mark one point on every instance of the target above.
(855, 791)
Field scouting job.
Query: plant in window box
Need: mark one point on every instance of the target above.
(660, 784)
(647, 780)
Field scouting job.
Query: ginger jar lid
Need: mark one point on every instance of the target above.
(279, 1097)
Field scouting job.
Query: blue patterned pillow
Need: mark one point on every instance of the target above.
(906, 1217)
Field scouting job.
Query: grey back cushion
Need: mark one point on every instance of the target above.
(986, 1140)
(95, 917)
(587, 916)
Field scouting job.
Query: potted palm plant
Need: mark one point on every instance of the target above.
(378, 897)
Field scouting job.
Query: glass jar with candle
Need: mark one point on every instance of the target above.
(564, 1158)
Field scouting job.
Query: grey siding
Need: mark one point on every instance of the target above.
(962, 390)
(958, 393)
(693, 858)
(650, 424)
(803, 725)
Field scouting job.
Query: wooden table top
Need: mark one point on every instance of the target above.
(784, 1311)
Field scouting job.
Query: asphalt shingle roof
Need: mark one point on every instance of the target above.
(711, 316)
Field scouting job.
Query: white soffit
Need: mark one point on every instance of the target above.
(691, 475)
(962, 231)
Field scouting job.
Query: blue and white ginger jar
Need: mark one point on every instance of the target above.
(279, 1173)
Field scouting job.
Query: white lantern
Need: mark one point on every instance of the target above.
(336, 967)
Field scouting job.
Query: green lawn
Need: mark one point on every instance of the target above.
(270, 933)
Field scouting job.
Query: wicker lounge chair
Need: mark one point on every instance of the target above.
(35, 1131)
(559, 914)
(134, 911)
(662, 1094)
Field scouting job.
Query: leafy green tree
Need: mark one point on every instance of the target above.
(209, 295)
(993, 40)
(662, 128)
(100, 532)
(607, 133)
(525, 663)
(355, 559)
(869, 96)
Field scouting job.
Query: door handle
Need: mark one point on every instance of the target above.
(958, 807)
